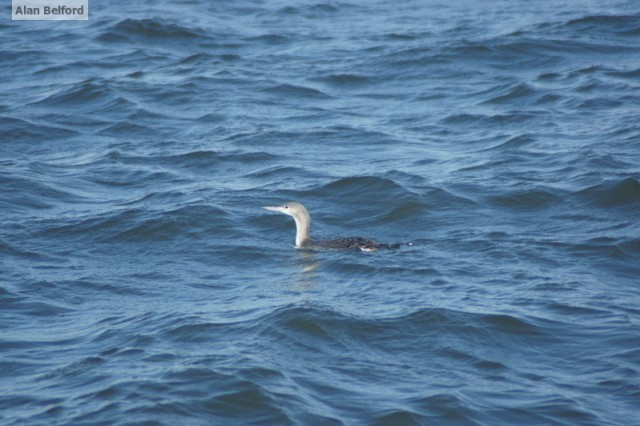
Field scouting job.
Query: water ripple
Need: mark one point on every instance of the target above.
(143, 284)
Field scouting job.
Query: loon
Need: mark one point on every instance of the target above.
(303, 226)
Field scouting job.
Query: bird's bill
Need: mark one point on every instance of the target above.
(274, 209)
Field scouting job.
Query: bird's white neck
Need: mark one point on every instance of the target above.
(303, 228)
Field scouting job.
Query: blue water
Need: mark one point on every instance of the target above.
(141, 282)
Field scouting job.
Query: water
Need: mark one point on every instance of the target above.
(141, 283)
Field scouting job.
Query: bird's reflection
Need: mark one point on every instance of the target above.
(306, 262)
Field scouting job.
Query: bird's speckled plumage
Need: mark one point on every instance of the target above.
(303, 229)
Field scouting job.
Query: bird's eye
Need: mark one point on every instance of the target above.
(286, 207)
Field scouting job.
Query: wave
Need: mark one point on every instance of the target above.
(20, 130)
(343, 81)
(313, 10)
(512, 118)
(590, 27)
(141, 226)
(269, 39)
(335, 328)
(528, 199)
(619, 25)
(513, 143)
(151, 29)
(31, 193)
(619, 193)
(296, 91)
(190, 160)
(89, 93)
(518, 92)
(281, 172)
(29, 307)
(400, 198)
(355, 185)
(632, 74)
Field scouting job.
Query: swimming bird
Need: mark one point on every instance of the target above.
(303, 228)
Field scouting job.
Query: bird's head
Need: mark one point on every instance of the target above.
(291, 209)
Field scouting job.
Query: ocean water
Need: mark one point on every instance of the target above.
(142, 283)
